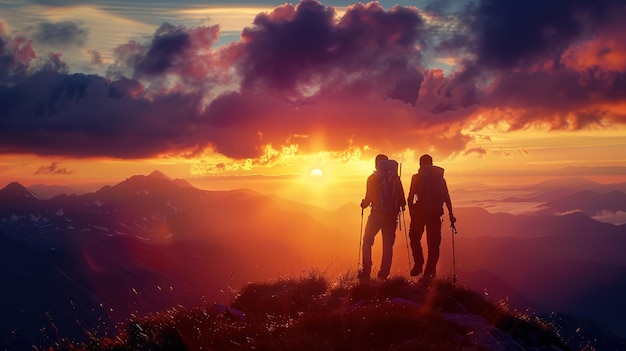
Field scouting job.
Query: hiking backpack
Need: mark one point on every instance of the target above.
(431, 191)
(388, 187)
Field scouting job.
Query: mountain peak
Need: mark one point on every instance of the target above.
(15, 190)
(156, 174)
(160, 175)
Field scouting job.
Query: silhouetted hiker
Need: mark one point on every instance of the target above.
(385, 194)
(427, 194)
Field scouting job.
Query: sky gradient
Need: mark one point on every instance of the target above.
(93, 92)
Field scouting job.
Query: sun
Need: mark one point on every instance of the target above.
(316, 172)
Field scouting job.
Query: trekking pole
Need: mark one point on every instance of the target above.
(453, 254)
(406, 240)
(358, 265)
(406, 237)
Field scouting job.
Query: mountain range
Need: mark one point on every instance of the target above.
(85, 262)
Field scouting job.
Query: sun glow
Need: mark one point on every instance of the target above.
(316, 172)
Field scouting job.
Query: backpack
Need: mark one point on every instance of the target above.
(430, 193)
(388, 187)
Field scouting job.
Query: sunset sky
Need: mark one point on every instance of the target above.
(261, 93)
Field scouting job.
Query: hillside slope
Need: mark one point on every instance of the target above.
(308, 314)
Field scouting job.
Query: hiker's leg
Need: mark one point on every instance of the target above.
(433, 239)
(416, 231)
(371, 229)
(389, 237)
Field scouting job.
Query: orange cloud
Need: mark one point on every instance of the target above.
(54, 168)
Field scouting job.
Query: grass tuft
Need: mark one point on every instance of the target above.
(310, 314)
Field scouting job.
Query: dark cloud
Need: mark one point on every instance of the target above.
(506, 34)
(169, 43)
(302, 76)
(54, 168)
(63, 33)
(566, 99)
(52, 113)
(172, 50)
(16, 54)
(296, 49)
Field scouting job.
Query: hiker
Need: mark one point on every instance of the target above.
(427, 194)
(385, 194)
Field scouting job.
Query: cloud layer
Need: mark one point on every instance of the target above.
(305, 79)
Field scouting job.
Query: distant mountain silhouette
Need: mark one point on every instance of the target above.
(150, 242)
(576, 183)
(589, 202)
(16, 196)
(544, 196)
(49, 191)
(137, 207)
(480, 222)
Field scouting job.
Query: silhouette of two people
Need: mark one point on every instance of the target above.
(385, 194)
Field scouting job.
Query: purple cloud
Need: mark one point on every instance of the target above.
(54, 168)
(64, 33)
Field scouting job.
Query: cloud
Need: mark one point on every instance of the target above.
(521, 33)
(96, 57)
(16, 54)
(300, 50)
(302, 78)
(54, 168)
(479, 151)
(172, 50)
(84, 115)
(56, 2)
(63, 33)
(616, 218)
(531, 60)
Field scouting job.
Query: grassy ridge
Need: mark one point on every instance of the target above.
(310, 314)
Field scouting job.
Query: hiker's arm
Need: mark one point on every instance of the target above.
(412, 191)
(369, 192)
(448, 202)
(401, 197)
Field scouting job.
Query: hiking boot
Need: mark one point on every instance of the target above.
(416, 271)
